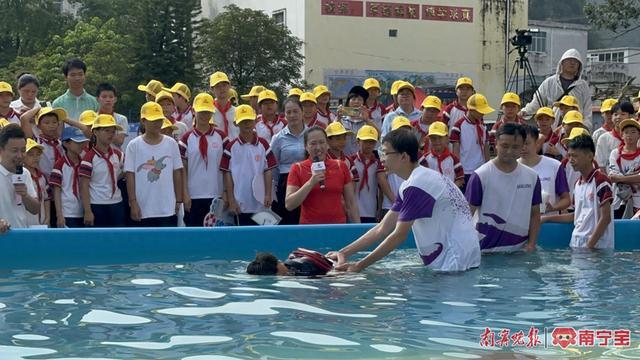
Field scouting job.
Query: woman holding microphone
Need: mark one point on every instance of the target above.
(321, 186)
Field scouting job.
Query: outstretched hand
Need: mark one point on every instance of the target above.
(349, 267)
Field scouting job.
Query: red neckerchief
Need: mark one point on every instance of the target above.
(55, 144)
(457, 104)
(35, 176)
(327, 114)
(441, 157)
(607, 127)
(480, 135)
(182, 114)
(74, 176)
(203, 144)
(616, 135)
(503, 121)
(627, 156)
(112, 172)
(9, 114)
(266, 123)
(365, 174)
(549, 137)
(315, 122)
(223, 111)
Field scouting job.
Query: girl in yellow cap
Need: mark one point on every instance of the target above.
(323, 96)
(6, 97)
(377, 111)
(510, 106)
(100, 169)
(32, 163)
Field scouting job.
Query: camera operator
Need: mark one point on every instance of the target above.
(566, 81)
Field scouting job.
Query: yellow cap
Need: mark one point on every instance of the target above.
(464, 81)
(218, 77)
(432, 102)
(480, 104)
(267, 95)
(438, 128)
(295, 92)
(336, 128)
(510, 98)
(32, 144)
(400, 121)
(607, 104)
(180, 89)
(568, 100)
(394, 86)
(629, 122)
(203, 102)
(166, 123)
(255, 91)
(4, 122)
(545, 111)
(105, 121)
(371, 83)
(59, 112)
(406, 85)
(575, 132)
(151, 111)
(367, 132)
(88, 117)
(320, 90)
(244, 112)
(233, 94)
(573, 117)
(6, 87)
(152, 88)
(307, 96)
(164, 95)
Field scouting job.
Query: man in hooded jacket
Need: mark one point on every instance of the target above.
(566, 81)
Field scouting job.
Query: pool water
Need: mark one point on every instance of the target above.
(396, 309)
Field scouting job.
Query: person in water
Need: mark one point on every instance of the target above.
(301, 262)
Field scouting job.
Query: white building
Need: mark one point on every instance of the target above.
(610, 69)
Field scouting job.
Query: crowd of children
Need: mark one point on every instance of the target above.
(87, 171)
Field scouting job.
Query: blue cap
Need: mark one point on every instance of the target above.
(73, 134)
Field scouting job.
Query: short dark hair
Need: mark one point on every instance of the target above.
(264, 264)
(582, 142)
(512, 130)
(531, 131)
(623, 106)
(11, 131)
(25, 79)
(403, 141)
(105, 87)
(74, 63)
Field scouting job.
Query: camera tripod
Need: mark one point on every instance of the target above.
(522, 65)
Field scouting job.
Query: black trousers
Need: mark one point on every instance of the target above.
(244, 219)
(111, 215)
(199, 209)
(168, 221)
(368, 220)
(74, 222)
(288, 217)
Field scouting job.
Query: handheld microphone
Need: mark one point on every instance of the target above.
(16, 179)
(318, 166)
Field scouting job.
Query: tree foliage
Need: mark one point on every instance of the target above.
(251, 48)
(614, 15)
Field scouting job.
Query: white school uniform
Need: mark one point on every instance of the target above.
(187, 117)
(504, 202)
(624, 165)
(225, 120)
(450, 166)
(103, 184)
(606, 144)
(43, 194)
(453, 112)
(553, 179)
(153, 167)
(590, 194)
(377, 113)
(266, 130)
(66, 177)
(325, 119)
(204, 179)
(472, 144)
(52, 151)
(11, 209)
(443, 227)
(12, 116)
(394, 183)
(367, 192)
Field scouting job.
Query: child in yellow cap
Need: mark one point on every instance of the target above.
(6, 96)
(510, 106)
(377, 111)
(184, 112)
(151, 89)
(370, 175)
(310, 110)
(99, 172)
(32, 163)
(607, 116)
(439, 158)
(107, 97)
(337, 140)
(48, 123)
(458, 108)
(544, 118)
(225, 111)
(166, 100)
(252, 97)
(613, 139)
(248, 184)
(431, 112)
(571, 120)
(269, 122)
(153, 168)
(323, 97)
(624, 169)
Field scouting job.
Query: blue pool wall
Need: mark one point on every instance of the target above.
(61, 248)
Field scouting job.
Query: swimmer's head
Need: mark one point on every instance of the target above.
(266, 264)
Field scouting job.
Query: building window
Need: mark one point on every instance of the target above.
(539, 42)
(280, 17)
(393, 32)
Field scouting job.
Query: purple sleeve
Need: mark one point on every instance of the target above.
(397, 205)
(537, 193)
(474, 190)
(417, 204)
(562, 184)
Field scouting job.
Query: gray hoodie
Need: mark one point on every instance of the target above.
(551, 90)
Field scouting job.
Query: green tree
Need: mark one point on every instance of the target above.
(27, 27)
(251, 48)
(618, 16)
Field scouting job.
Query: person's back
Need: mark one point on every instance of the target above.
(300, 262)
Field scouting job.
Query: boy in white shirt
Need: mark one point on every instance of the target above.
(624, 169)
(246, 163)
(184, 112)
(439, 158)
(506, 196)
(153, 169)
(107, 97)
(593, 216)
(611, 140)
(268, 123)
(225, 111)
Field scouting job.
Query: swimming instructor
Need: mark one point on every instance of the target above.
(427, 203)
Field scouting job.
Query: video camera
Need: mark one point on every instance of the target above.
(523, 37)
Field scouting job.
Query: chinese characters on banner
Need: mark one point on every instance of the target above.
(563, 337)
(377, 9)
